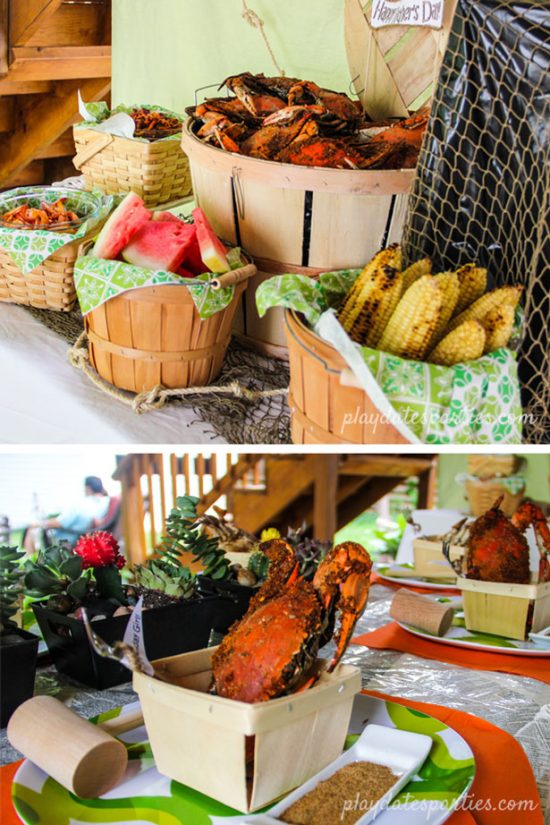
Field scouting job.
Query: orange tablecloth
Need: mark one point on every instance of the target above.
(7, 811)
(393, 637)
(376, 579)
(503, 773)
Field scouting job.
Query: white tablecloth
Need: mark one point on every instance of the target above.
(44, 400)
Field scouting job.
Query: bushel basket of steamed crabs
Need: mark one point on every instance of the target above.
(158, 295)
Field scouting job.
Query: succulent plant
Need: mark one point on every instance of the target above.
(184, 533)
(11, 585)
(258, 564)
(161, 583)
(310, 552)
(65, 580)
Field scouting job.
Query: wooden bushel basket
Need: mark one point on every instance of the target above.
(323, 410)
(307, 219)
(158, 171)
(154, 335)
(49, 286)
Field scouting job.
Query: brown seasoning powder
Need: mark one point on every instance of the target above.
(343, 798)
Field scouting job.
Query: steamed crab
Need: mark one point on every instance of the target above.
(497, 549)
(297, 121)
(272, 649)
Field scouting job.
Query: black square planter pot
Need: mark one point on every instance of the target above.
(167, 631)
(17, 671)
(231, 603)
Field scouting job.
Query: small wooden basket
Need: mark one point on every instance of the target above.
(482, 494)
(505, 609)
(324, 410)
(50, 285)
(154, 335)
(489, 466)
(428, 555)
(205, 741)
(157, 171)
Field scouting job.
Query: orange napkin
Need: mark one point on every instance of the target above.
(393, 637)
(503, 773)
(376, 579)
(7, 811)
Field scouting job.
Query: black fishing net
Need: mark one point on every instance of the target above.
(482, 189)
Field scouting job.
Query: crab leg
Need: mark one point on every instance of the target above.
(342, 583)
(528, 514)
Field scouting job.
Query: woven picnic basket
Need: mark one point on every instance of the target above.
(489, 466)
(157, 171)
(482, 494)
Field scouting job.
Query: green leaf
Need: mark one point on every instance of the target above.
(72, 568)
(43, 580)
(78, 589)
(109, 583)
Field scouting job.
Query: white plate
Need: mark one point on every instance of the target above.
(410, 580)
(400, 751)
(460, 637)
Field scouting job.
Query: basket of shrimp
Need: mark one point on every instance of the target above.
(133, 149)
(230, 721)
(41, 231)
(399, 354)
(502, 594)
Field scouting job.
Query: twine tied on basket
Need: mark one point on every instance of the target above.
(254, 20)
(157, 396)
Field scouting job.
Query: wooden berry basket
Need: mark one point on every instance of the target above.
(509, 610)
(154, 335)
(203, 740)
(483, 493)
(157, 171)
(49, 286)
(427, 552)
(320, 403)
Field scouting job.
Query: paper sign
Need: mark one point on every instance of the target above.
(407, 13)
(133, 636)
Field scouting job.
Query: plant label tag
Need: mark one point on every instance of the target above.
(133, 636)
(427, 13)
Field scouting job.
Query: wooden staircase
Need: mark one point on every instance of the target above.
(49, 49)
(323, 491)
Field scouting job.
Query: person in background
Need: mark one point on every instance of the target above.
(75, 520)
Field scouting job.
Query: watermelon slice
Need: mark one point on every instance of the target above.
(185, 273)
(127, 219)
(213, 252)
(166, 216)
(160, 245)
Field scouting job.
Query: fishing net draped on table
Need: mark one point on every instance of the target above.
(482, 187)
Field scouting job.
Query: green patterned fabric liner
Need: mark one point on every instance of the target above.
(29, 248)
(98, 112)
(514, 484)
(97, 280)
(477, 402)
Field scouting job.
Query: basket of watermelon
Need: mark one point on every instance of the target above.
(158, 294)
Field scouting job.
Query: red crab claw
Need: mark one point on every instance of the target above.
(528, 514)
(342, 582)
(283, 572)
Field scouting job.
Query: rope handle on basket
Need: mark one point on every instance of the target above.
(91, 150)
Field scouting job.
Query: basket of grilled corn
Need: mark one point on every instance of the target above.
(395, 354)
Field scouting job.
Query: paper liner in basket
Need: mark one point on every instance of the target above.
(476, 402)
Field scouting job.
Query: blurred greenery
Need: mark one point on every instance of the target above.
(380, 536)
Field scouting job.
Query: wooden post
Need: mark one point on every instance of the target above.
(325, 492)
(4, 38)
(427, 487)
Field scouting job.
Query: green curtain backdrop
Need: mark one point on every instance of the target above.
(165, 49)
(451, 494)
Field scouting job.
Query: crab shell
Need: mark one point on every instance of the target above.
(269, 656)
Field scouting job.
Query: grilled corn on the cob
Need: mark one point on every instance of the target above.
(465, 343)
(451, 289)
(473, 283)
(377, 308)
(365, 283)
(413, 272)
(411, 327)
(498, 325)
(505, 296)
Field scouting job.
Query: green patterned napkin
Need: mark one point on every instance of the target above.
(30, 247)
(477, 402)
(98, 112)
(97, 280)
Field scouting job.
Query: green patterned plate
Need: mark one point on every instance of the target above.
(147, 797)
(460, 637)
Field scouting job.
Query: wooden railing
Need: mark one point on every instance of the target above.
(151, 482)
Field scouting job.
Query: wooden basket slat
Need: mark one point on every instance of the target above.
(158, 172)
(483, 494)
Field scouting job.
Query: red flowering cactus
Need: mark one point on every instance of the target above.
(99, 549)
